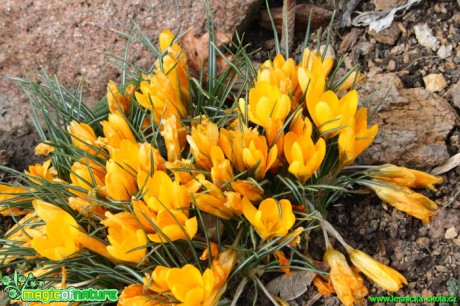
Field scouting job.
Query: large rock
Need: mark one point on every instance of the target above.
(413, 124)
(69, 38)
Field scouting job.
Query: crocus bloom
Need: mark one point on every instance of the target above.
(233, 142)
(87, 207)
(355, 138)
(189, 286)
(258, 154)
(156, 281)
(63, 236)
(171, 137)
(408, 177)
(225, 205)
(115, 130)
(310, 58)
(81, 176)
(136, 295)
(265, 101)
(118, 102)
(61, 230)
(267, 219)
(283, 74)
(304, 156)
(205, 135)
(119, 184)
(150, 158)
(45, 172)
(312, 80)
(221, 170)
(82, 136)
(144, 215)
(386, 277)
(347, 284)
(160, 192)
(352, 77)
(43, 149)
(248, 189)
(127, 239)
(175, 225)
(330, 114)
(405, 199)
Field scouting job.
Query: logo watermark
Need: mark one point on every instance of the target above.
(29, 289)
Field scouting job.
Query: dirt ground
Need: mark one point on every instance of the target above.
(427, 254)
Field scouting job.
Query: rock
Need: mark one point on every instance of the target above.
(454, 93)
(445, 51)
(391, 65)
(68, 38)
(444, 219)
(451, 233)
(350, 39)
(381, 5)
(365, 48)
(442, 269)
(413, 124)
(435, 82)
(388, 36)
(425, 37)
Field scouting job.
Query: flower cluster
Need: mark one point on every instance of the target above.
(161, 178)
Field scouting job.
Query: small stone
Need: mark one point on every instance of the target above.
(441, 269)
(391, 65)
(364, 48)
(425, 37)
(435, 82)
(388, 36)
(457, 241)
(348, 63)
(406, 58)
(398, 49)
(445, 51)
(451, 233)
(424, 242)
(450, 66)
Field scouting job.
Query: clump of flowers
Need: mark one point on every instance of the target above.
(174, 187)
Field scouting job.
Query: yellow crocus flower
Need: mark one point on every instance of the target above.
(136, 295)
(353, 77)
(83, 136)
(348, 285)
(408, 177)
(233, 142)
(63, 236)
(127, 239)
(310, 58)
(355, 138)
(312, 81)
(283, 74)
(205, 135)
(87, 207)
(118, 102)
(267, 219)
(384, 276)
(150, 158)
(265, 101)
(171, 136)
(115, 130)
(45, 171)
(221, 170)
(405, 199)
(258, 154)
(81, 176)
(175, 225)
(43, 149)
(304, 156)
(189, 286)
(248, 189)
(160, 192)
(330, 114)
(225, 205)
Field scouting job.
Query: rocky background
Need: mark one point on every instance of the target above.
(417, 59)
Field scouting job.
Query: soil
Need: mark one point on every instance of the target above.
(427, 254)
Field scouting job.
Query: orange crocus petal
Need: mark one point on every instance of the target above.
(407, 177)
